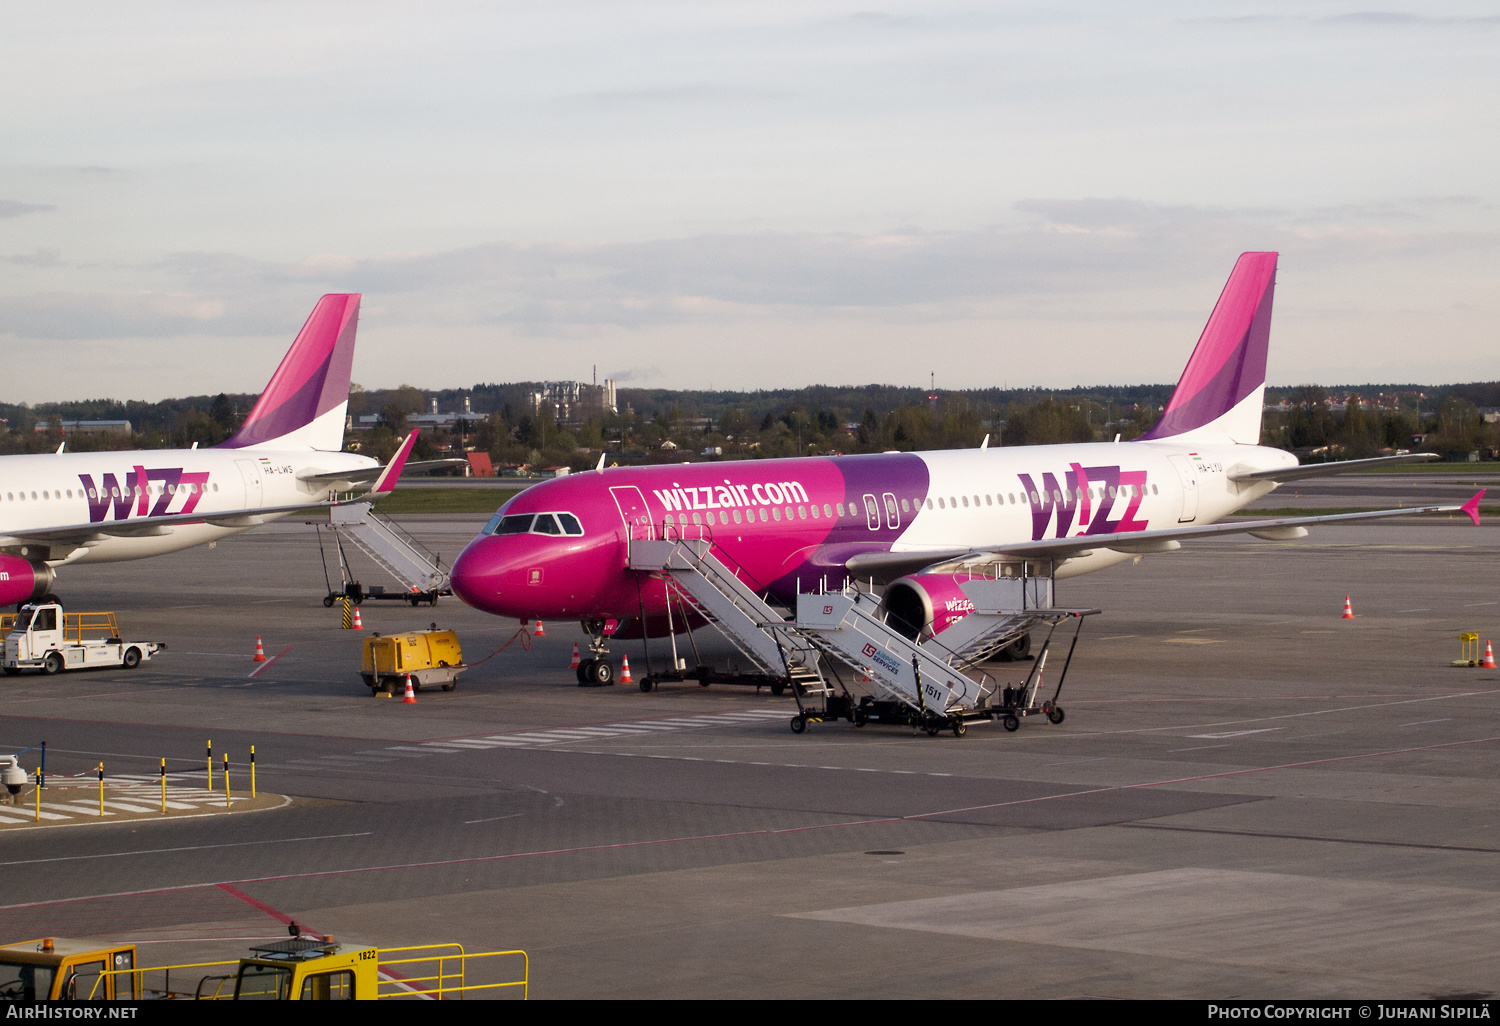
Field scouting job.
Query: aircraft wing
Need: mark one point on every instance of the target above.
(1326, 469)
(1165, 540)
(145, 527)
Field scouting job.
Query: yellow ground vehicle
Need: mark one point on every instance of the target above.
(427, 657)
(57, 969)
(294, 969)
(305, 969)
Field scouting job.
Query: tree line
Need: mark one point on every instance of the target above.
(780, 423)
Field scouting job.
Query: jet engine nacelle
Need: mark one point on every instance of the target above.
(22, 580)
(925, 605)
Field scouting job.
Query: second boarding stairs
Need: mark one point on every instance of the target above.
(394, 551)
(927, 679)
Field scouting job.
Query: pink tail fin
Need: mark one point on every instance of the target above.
(1226, 376)
(303, 405)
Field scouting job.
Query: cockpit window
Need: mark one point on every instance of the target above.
(517, 524)
(535, 523)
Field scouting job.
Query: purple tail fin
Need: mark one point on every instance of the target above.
(1221, 390)
(303, 406)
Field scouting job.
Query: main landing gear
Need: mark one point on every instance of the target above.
(596, 671)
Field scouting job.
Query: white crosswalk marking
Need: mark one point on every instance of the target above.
(566, 735)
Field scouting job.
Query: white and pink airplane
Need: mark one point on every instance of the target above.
(97, 507)
(917, 522)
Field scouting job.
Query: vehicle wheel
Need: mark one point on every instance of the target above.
(1055, 714)
(601, 672)
(1020, 648)
(645, 684)
(960, 728)
(861, 717)
(798, 724)
(52, 664)
(778, 688)
(449, 687)
(12, 671)
(327, 601)
(1011, 723)
(582, 671)
(132, 658)
(414, 600)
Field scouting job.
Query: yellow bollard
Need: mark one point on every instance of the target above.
(210, 764)
(101, 789)
(1468, 648)
(226, 781)
(164, 787)
(252, 771)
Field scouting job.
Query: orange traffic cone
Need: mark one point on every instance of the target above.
(260, 651)
(1348, 609)
(576, 661)
(540, 632)
(411, 696)
(357, 625)
(625, 677)
(1489, 657)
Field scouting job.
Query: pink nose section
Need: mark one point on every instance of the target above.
(469, 579)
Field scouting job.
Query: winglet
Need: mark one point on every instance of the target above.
(386, 482)
(1472, 507)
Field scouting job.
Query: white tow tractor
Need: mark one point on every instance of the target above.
(42, 637)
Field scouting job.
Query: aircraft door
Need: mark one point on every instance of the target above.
(892, 514)
(1189, 478)
(251, 473)
(872, 513)
(634, 512)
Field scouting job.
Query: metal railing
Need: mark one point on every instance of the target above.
(443, 981)
(75, 625)
(439, 982)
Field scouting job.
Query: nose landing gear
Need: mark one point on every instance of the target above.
(596, 671)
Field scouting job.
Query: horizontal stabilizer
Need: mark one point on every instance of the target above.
(364, 474)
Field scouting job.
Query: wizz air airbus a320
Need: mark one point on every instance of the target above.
(918, 522)
(98, 507)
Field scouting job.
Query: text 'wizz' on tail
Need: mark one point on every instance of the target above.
(1222, 391)
(305, 403)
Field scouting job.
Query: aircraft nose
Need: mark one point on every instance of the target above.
(476, 574)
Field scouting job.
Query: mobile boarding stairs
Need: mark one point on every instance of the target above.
(920, 683)
(422, 576)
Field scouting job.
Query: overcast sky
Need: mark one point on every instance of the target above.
(742, 195)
